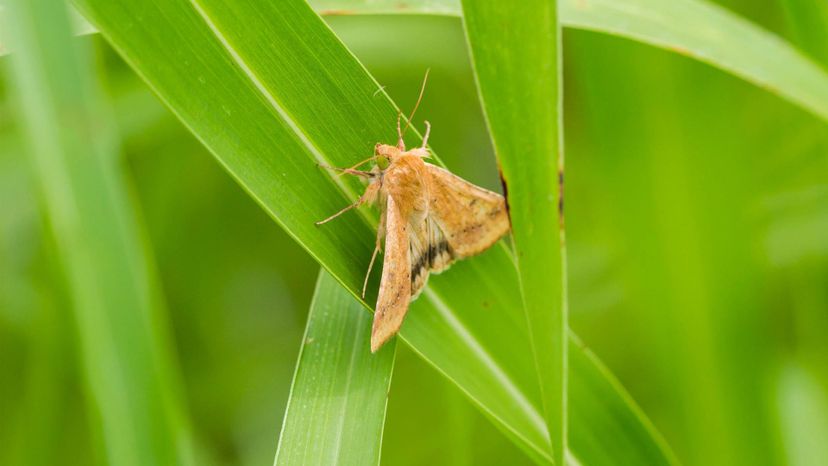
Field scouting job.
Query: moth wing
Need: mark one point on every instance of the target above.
(470, 217)
(395, 284)
(430, 252)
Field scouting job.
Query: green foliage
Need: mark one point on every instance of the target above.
(274, 102)
(695, 28)
(128, 371)
(695, 224)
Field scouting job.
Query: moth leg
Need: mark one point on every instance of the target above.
(369, 195)
(377, 248)
(350, 171)
(373, 157)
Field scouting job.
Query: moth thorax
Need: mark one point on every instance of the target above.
(420, 152)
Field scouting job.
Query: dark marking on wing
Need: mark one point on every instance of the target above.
(472, 227)
(427, 260)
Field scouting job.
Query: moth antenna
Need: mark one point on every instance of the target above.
(417, 105)
(400, 142)
(428, 131)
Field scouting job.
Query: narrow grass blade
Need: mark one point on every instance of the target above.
(600, 409)
(706, 32)
(126, 356)
(713, 35)
(386, 7)
(336, 408)
(516, 56)
(270, 113)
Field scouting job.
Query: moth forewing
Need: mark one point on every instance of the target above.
(395, 284)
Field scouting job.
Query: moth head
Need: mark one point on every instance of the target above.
(386, 154)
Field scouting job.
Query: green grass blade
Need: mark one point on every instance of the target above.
(713, 35)
(386, 7)
(126, 357)
(269, 114)
(706, 32)
(515, 51)
(600, 409)
(336, 408)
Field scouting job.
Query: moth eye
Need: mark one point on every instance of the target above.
(382, 162)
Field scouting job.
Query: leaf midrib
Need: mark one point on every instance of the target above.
(284, 115)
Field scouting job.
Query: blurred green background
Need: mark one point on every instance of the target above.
(697, 225)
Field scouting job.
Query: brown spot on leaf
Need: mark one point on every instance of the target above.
(505, 191)
(680, 50)
(337, 12)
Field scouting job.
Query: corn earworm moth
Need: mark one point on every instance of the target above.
(429, 218)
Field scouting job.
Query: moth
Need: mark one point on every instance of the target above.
(429, 218)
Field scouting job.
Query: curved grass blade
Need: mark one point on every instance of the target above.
(271, 92)
(126, 357)
(385, 7)
(336, 409)
(706, 32)
(515, 53)
(713, 35)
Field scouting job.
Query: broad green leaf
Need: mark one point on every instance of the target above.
(336, 408)
(515, 52)
(123, 342)
(271, 92)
